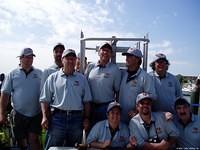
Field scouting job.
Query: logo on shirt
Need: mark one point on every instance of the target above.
(35, 76)
(106, 75)
(170, 84)
(195, 130)
(76, 83)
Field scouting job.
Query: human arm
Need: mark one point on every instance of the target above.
(86, 116)
(45, 114)
(4, 99)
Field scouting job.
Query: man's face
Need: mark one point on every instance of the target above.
(183, 112)
(132, 61)
(105, 54)
(69, 63)
(144, 106)
(114, 116)
(161, 66)
(57, 53)
(26, 61)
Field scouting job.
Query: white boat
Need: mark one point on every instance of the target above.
(187, 89)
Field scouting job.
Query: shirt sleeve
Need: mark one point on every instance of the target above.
(7, 84)
(93, 135)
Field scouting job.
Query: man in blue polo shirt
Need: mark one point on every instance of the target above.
(57, 54)
(23, 85)
(188, 125)
(167, 85)
(134, 81)
(151, 129)
(109, 133)
(68, 93)
(104, 79)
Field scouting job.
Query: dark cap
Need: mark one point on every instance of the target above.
(59, 45)
(181, 101)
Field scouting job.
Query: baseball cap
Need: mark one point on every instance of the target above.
(133, 52)
(59, 45)
(70, 52)
(181, 101)
(112, 105)
(160, 56)
(106, 45)
(26, 52)
(142, 96)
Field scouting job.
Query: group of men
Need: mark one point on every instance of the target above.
(117, 108)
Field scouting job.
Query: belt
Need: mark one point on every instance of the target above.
(67, 112)
(101, 104)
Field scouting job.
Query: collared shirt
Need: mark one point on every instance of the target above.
(103, 81)
(168, 89)
(47, 72)
(161, 128)
(101, 133)
(190, 134)
(24, 90)
(141, 82)
(66, 92)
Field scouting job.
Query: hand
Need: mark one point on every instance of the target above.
(2, 118)
(86, 124)
(168, 116)
(106, 144)
(45, 123)
(132, 113)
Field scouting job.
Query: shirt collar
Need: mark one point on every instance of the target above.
(100, 66)
(63, 74)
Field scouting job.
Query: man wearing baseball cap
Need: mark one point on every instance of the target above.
(134, 81)
(151, 129)
(57, 55)
(109, 133)
(188, 125)
(67, 92)
(166, 84)
(23, 86)
(104, 79)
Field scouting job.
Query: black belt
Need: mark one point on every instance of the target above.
(67, 112)
(101, 104)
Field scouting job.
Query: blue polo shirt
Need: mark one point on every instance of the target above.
(141, 82)
(24, 90)
(190, 134)
(101, 133)
(168, 89)
(47, 72)
(103, 81)
(66, 92)
(160, 127)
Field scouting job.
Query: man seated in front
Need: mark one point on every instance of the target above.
(188, 125)
(109, 133)
(151, 129)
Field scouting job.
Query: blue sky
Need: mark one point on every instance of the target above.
(173, 27)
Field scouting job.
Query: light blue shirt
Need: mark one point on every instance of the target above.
(190, 134)
(141, 82)
(101, 133)
(24, 90)
(103, 81)
(66, 92)
(48, 72)
(161, 127)
(168, 89)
